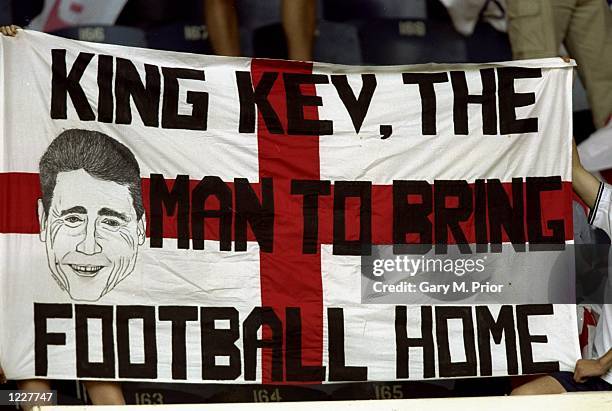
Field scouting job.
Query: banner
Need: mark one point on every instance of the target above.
(181, 217)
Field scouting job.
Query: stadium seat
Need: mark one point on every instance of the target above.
(411, 42)
(345, 10)
(190, 38)
(268, 393)
(388, 390)
(147, 14)
(124, 36)
(253, 14)
(337, 43)
(141, 393)
(171, 393)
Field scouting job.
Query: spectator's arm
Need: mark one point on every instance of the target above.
(584, 183)
(606, 360)
(593, 368)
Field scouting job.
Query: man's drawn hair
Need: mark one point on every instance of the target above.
(99, 155)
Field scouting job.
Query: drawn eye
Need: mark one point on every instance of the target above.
(111, 222)
(73, 220)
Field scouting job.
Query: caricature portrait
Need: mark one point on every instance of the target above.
(91, 212)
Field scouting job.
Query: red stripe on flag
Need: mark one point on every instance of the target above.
(20, 192)
(288, 277)
(19, 209)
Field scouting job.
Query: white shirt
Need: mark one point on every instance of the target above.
(601, 216)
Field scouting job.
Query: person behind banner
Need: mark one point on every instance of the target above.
(536, 29)
(589, 374)
(92, 234)
(299, 24)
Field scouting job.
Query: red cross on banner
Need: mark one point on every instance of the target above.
(290, 278)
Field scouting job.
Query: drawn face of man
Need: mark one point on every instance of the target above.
(91, 234)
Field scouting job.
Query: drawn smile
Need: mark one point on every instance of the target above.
(86, 270)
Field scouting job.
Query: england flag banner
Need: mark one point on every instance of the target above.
(179, 217)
